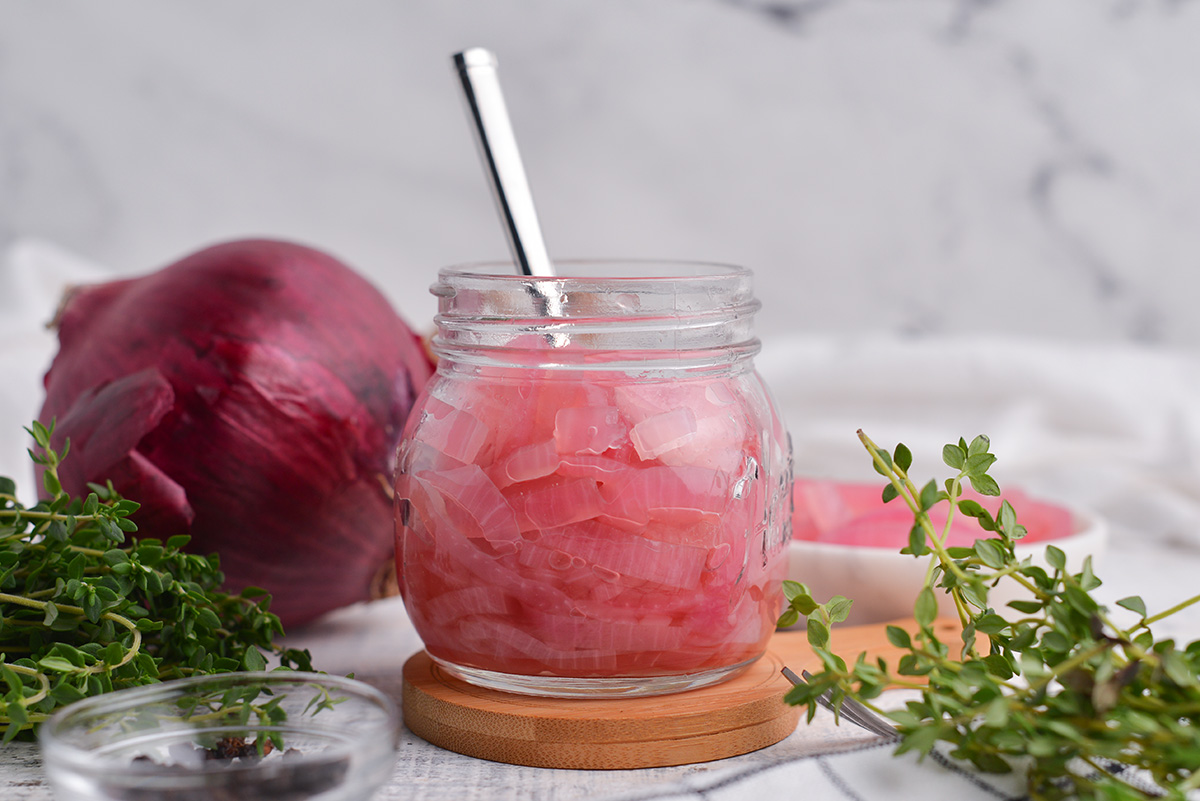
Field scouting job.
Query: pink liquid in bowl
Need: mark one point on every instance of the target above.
(588, 526)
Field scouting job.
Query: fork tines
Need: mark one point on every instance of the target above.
(850, 709)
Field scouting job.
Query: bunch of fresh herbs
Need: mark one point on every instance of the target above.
(86, 610)
(1054, 686)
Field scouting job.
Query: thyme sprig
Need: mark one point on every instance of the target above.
(84, 610)
(1051, 684)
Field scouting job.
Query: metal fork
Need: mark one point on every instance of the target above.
(850, 709)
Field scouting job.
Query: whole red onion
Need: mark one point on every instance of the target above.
(250, 395)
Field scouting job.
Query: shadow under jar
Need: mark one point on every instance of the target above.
(594, 491)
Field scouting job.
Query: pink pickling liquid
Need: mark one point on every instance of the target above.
(589, 525)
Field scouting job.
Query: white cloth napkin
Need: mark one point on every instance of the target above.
(33, 276)
(867, 772)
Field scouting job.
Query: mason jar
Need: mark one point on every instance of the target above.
(593, 494)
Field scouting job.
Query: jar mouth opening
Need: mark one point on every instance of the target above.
(626, 305)
(605, 270)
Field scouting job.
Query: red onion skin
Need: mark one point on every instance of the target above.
(251, 395)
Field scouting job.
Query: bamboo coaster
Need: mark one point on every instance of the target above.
(735, 717)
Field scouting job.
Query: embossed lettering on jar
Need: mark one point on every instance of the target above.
(593, 493)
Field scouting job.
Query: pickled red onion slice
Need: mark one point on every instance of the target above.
(472, 504)
(588, 429)
(685, 527)
(511, 644)
(557, 503)
(718, 394)
(454, 605)
(744, 624)
(495, 397)
(600, 468)
(640, 401)
(459, 562)
(629, 556)
(414, 452)
(664, 432)
(650, 633)
(455, 432)
(529, 462)
(637, 493)
(722, 430)
(854, 514)
(718, 443)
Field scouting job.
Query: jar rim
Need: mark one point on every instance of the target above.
(644, 306)
(623, 269)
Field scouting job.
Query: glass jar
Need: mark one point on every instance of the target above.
(594, 491)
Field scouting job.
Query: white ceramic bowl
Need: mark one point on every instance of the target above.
(883, 583)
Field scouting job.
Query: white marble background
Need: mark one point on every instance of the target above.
(941, 167)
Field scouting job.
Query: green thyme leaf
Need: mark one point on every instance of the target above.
(252, 659)
(838, 608)
(793, 588)
(930, 494)
(954, 456)
(984, 484)
(991, 553)
(818, 633)
(1056, 557)
(1134, 604)
(926, 607)
(898, 637)
(916, 540)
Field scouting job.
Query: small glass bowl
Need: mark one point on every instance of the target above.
(265, 736)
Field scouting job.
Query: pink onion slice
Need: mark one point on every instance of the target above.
(637, 494)
(854, 514)
(687, 527)
(514, 645)
(718, 443)
(416, 456)
(556, 503)
(453, 606)
(458, 562)
(473, 505)
(588, 429)
(721, 431)
(455, 432)
(629, 556)
(664, 432)
(600, 468)
(718, 394)
(648, 634)
(528, 462)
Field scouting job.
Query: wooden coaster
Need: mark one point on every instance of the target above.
(735, 717)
